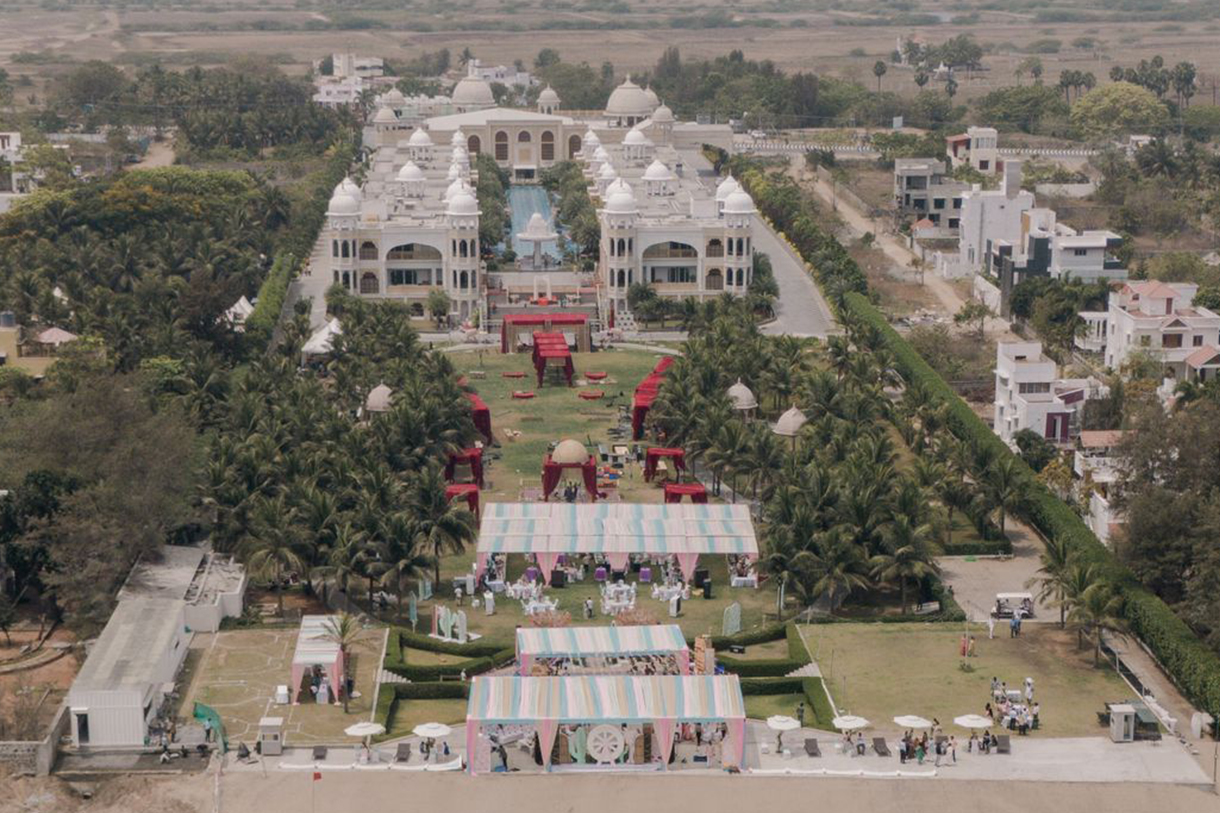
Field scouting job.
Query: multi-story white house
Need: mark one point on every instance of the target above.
(977, 148)
(987, 216)
(923, 189)
(1029, 394)
(1096, 468)
(1158, 317)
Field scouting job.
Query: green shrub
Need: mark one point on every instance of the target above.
(815, 696)
(762, 635)
(480, 658)
(757, 686)
(771, 667)
(445, 690)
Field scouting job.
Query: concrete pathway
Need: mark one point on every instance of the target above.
(976, 580)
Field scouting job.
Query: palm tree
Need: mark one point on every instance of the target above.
(879, 70)
(343, 630)
(725, 457)
(441, 525)
(908, 555)
(1097, 611)
(841, 570)
(786, 563)
(275, 548)
(1005, 485)
(1051, 576)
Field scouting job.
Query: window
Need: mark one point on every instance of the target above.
(368, 283)
(523, 137)
(1081, 252)
(368, 250)
(473, 144)
(334, 248)
(938, 203)
(1145, 341)
(984, 166)
(345, 250)
(1197, 341)
(501, 146)
(954, 223)
(714, 280)
(670, 250)
(413, 251)
(715, 248)
(920, 204)
(1033, 388)
(1171, 340)
(957, 203)
(548, 146)
(573, 146)
(410, 276)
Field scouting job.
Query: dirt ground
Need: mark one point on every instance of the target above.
(55, 675)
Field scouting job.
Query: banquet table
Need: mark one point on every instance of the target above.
(544, 606)
(744, 581)
(664, 592)
(496, 585)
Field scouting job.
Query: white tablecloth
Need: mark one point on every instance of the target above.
(744, 581)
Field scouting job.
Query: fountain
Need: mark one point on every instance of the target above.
(537, 231)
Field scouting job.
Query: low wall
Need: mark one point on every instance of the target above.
(35, 757)
(987, 293)
(1066, 190)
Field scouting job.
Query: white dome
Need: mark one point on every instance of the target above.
(590, 138)
(455, 171)
(460, 153)
(789, 423)
(618, 185)
(385, 116)
(378, 399)
(410, 172)
(628, 100)
(473, 91)
(658, 172)
(548, 96)
(607, 172)
(663, 115)
(741, 396)
(458, 139)
(635, 138)
(570, 451)
(600, 155)
(349, 186)
(458, 185)
(343, 204)
(621, 203)
(393, 96)
(727, 187)
(462, 203)
(420, 138)
(739, 203)
(651, 96)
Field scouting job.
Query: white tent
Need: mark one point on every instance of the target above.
(236, 316)
(321, 342)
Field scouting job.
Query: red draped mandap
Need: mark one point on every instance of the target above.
(645, 394)
(653, 455)
(548, 346)
(473, 457)
(481, 416)
(468, 492)
(547, 322)
(674, 492)
(551, 472)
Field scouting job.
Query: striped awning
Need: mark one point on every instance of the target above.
(616, 528)
(617, 698)
(588, 642)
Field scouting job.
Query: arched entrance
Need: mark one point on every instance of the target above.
(473, 144)
(368, 283)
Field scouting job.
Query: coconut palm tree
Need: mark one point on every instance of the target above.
(441, 525)
(1096, 611)
(841, 570)
(1006, 486)
(275, 548)
(1051, 576)
(344, 631)
(908, 555)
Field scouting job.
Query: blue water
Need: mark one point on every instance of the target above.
(523, 201)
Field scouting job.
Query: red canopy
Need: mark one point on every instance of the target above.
(472, 457)
(539, 319)
(548, 346)
(551, 472)
(645, 394)
(656, 453)
(470, 491)
(674, 492)
(481, 415)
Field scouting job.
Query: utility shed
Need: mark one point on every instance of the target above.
(127, 673)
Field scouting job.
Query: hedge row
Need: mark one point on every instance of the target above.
(270, 300)
(479, 658)
(1194, 667)
(981, 548)
(775, 685)
(815, 696)
(392, 694)
(769, 667)
(762, 635)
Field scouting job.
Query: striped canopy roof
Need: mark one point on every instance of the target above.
(583, 642)
(605, 698)
(538, 527)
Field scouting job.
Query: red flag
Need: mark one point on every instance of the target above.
(317, 775)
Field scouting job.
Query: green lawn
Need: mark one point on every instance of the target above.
(762, 706)
(410, 713)
(882, 670)
(771, 650)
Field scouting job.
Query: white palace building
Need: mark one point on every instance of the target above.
(413, 225)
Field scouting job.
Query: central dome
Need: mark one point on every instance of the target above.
(472, 91)
(727, 187)
(739, 203)
(628, 99)
(621, 203)
(420, 138)
(570, 451)
(410, 172)
(463, 203)
(343, 204)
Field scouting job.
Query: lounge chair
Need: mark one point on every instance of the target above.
(811, 747)
(319, 753)
(880, 747)
(403, 752)
(1002, 745)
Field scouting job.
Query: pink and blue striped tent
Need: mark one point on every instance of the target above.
(601, 642)
(662, 700)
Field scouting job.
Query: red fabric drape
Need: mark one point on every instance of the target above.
(481, 416)
(543, 320)
(674, 492)
(551, 472)
(655, 454)
(468, 491)
(645, 394)
(544, 356)
(472, 457)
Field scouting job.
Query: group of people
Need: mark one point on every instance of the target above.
(620, 665)
(919, 747)
(1014, 709)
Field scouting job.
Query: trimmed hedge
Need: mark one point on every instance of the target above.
(761, 635)
(769, 667)
(995, 548)
(1194, 667)
(815, 696)
(781, 685)
(392, 694)
(479, 657)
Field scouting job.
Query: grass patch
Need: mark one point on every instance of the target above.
(406, 714)
(762, 706)
(882, 670)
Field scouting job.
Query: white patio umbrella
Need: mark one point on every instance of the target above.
(849, 722)
(973, 721)
(912, 721)
(780, 723)
(365, 729)
(431, 731)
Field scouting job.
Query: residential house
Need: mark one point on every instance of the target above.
(1029, 394)
(987, 216)
(1158, 317)
(976, 148)
(1096, 467)
(923, 190)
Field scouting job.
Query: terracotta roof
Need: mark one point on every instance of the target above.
(1154, 289)
(923, 223)
(1202, 356)
(1101, 438)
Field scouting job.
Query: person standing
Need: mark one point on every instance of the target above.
(800, 713)
(991, 627)
(953, 748)
(970, 649)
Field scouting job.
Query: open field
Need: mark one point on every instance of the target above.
(237, 671)
(882, 670)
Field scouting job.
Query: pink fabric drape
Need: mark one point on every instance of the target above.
(618, 559)
(687, 562)
(547, 729)
(546, 563)
(734, 752)
(436, 622)
(665, 736)
(335, 671)
(684, 662)
(527, 663)
(472, 739)
(298, 674)
(481, 562)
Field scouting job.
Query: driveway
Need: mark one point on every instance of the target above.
(975, 583)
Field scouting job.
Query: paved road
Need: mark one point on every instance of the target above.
(800, 309)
